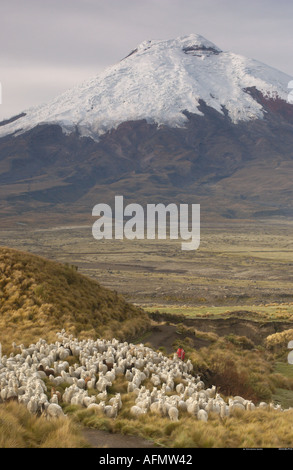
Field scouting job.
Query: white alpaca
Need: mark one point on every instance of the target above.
(173, 413)
(54, 411)
(192, 408)
(102, 396)
(202, 415)
(179, 388)
(97, 406)
(54, 399)
(111, 410)
(32, 405)
(137, 410)
(89, 400)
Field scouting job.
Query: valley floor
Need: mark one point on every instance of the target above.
(237, 264)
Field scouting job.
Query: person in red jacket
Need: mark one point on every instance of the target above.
(181, 353)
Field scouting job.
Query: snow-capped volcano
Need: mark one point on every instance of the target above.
(159, 81)
(174, 121)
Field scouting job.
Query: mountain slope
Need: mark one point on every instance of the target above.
(175, 121)
(39, 297)
(157, 82)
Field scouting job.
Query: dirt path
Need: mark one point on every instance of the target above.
(103, 439)
(160, 335)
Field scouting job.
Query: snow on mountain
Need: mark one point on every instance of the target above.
(158, 81)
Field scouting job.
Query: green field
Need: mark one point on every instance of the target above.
(282, 311)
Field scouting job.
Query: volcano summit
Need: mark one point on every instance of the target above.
(178, 119)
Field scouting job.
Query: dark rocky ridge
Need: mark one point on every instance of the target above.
(232, 170)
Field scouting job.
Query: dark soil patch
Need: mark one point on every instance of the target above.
(256, 331)
(102, 439)
(167, 337)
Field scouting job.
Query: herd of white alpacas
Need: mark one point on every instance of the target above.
(99, 363)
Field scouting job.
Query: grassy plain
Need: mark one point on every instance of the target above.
(237, 264)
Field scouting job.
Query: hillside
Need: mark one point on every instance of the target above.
(38, 297)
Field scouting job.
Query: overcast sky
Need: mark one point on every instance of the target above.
(48, 46)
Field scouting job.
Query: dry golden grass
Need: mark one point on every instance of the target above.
(279, 341)
(258, 428)
(38, 297)
(21, 429)
(237, 369)
(244, 429)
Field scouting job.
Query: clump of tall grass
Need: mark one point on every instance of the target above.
(257, 428)
(21, 429)
(278, 342)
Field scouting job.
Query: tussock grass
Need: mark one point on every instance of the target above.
(278, 342)
(21, 429)
(39, 297)
(258, 428)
